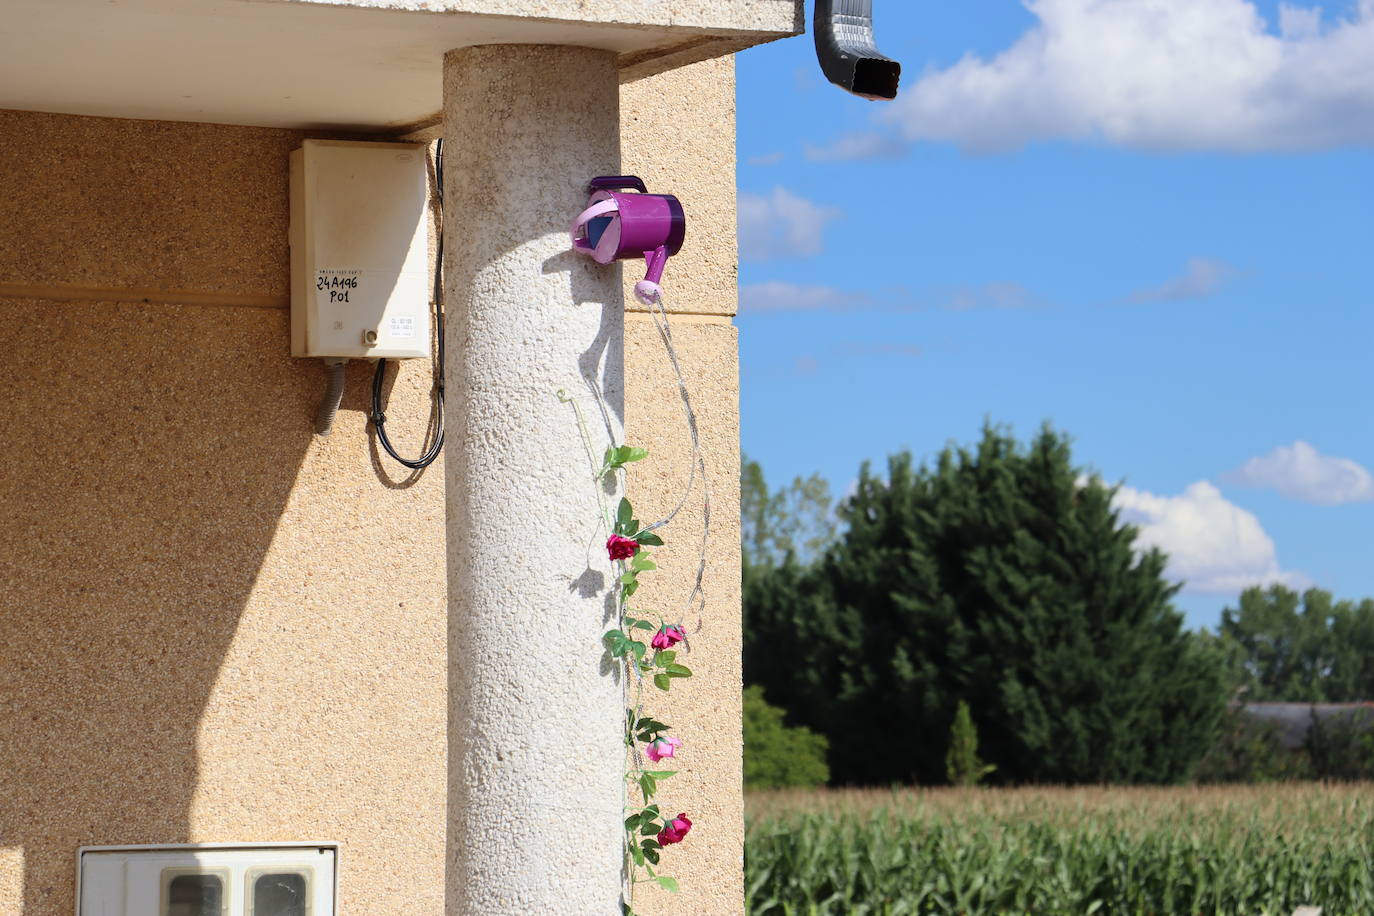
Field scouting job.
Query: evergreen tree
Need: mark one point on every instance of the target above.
(962, 766)
(1001, 575)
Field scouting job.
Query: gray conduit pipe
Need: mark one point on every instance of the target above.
(333, 395)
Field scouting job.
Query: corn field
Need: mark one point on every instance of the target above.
(1237, 851)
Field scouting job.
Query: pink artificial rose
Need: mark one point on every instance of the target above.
(621, 548)
(674, 830)
(660, 748)
(668, 637)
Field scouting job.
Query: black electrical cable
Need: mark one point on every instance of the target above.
(378, 418)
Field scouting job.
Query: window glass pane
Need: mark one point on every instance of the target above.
(195, 895)
(279, 894)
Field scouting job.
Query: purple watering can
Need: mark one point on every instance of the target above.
(617, 225)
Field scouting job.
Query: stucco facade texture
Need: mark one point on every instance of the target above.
(215, 626)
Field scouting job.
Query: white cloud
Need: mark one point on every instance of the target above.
(778, 296)
(1299, 471)
(767, 159)
(781, 224)
(1203, 277)
(1160, 75)
(863, 145)
(1213, 544)
(994, 295)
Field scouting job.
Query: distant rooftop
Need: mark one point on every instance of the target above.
(1294, 720)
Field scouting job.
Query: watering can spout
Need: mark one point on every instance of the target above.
(648, 289)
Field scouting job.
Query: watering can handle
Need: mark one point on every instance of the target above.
(600, 208)
(616, 183)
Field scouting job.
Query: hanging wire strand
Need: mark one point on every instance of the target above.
(435, 434)
(696, 601)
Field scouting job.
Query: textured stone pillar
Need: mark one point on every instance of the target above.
(535, 721)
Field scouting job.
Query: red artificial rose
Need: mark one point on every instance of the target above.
(668, 637)
(674, 830)
(621, 548)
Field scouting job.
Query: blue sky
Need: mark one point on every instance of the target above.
(1146, 221)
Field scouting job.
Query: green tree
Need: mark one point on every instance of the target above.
(1301, 649)
(797, 519)
(776, 756)
(1001, 575)
(1341, 745)
(962, 766)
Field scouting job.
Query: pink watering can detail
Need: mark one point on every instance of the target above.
(617, 225)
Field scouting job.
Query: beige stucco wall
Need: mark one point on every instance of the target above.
(213, 626)
(679, 135)
(217, 627)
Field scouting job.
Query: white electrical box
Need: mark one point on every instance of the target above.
(269, 880)
(360, 281)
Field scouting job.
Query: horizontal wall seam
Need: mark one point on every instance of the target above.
(67, 291)
(61, 292)
(686, 317)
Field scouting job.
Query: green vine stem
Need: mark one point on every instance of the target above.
(643, 643)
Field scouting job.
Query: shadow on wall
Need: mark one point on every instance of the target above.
(148, 455)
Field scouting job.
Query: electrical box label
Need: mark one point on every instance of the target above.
(402, 327)
(336, 285)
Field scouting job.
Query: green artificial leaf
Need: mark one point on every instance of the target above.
(637, 854)
(632, 822)
(650, 844)
(642, 563)
(636, 624)
(664, 658)
(651, 855)
(627, 578)
(678, 671)
(630, 589)
(647, 784)
(661, 681)
(668, 884)
(625, 454)
(652, 811)
(651, 828)
(617, 643)
(623, 517)
(638, 648)
(648, 539)
(660, 774)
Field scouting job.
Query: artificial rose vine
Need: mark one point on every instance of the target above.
(647, 829)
